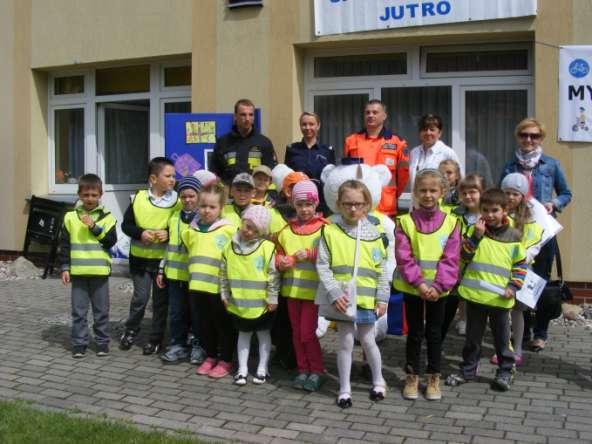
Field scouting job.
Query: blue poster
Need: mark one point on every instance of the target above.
(189, 138)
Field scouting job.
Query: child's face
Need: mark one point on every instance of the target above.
(209, 208)
(90, 198)
(164, 181)
(189, 199)
(514, 199)
(262, 182)
(429, 135)
(352, 206)
(242, 194)
(470, 198)
(248, 230)
(449, 173)
(305, 209)
(428, 191)
(493, 215)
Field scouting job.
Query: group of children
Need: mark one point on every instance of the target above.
(218, 270)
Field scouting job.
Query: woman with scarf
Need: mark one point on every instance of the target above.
(547, 184)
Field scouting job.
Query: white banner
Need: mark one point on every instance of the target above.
(341, 16)
(575, 94)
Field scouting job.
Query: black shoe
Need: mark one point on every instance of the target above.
(102, 350)
(376, 396)
(78, 351)
(344, 403)
(127, 339)
(502, 382)
(150, 348)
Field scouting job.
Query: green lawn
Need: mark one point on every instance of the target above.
(22, 424)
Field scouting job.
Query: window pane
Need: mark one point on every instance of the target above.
(340, 115)
(126, 144)
(177, 107)
(477, 61)
(490, 118)
(177, 76)
(361, 65)
(69, 85)
(121, 80)
(69, 145)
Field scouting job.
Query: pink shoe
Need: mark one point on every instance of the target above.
(206, 367)
(519, 360)
(222, 369)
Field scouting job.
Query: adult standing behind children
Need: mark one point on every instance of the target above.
(89, 232)
(243, 148)
(376, 144)
(145, 222)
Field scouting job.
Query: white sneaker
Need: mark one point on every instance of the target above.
(461, 327)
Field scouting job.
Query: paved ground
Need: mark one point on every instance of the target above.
(551, 400)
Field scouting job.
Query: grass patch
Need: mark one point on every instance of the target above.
(22, 424)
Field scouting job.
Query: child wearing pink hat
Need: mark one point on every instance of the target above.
(249, 289)
(296, 257)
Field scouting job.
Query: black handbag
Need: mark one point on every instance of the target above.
(556, 292)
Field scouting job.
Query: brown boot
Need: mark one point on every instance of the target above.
(433, 392)
(411, 389)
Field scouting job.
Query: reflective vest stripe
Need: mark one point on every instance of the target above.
(81, 262)
(305, 266)
(247, 303)
(301, 283)
(152, 247)
(176, 248)
(477, 285)
(349, 269)
(489, 268)
(86, 247)
(428, 264)
(247, 285)
(205, 260)
(177, 265)
(204, 277)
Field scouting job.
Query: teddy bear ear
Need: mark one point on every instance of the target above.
(383, 173)
(326, 172)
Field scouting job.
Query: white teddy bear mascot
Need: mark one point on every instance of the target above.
(374, 177)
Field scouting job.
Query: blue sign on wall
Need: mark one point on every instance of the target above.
(189, 138)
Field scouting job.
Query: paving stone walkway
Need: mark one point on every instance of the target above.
(551, 401)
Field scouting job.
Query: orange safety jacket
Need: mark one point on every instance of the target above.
(388, 149)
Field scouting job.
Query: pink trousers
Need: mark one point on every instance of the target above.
(304, 319)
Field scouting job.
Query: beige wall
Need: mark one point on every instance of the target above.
(68, 32)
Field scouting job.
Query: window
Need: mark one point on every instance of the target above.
(361, 65)
(69, 145)
(108, 121)
(477, 61)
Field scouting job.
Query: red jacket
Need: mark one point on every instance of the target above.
(387, 149)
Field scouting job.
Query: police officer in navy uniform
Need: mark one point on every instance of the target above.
(309, 156)
(243, 148)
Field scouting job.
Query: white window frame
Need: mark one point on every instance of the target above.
(157, 96)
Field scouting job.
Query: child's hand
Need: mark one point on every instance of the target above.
(423, 290)
(161, 235)
(480, 228)
(225, 302)
(380, 309)
(87, 220)
(342, 303)
(286, 262)
(509, 293)
(271, 307)
(65, 277)
(160, 281)
(301, 255)
(147, 237)
(433, 294)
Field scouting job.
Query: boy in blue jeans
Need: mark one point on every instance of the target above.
(145, 222)
(89, 233)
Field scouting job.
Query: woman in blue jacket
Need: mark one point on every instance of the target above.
(548, 185)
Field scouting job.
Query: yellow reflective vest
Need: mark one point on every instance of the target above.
(532, 232)
(175, 266)
(302, 280)
(87, 255)
(248, 277)
(231, 214)
(342, 249)
(427, 249)
(489, 272)
(204, 252)
(150, 217)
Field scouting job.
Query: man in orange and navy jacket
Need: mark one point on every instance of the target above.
(376, 144)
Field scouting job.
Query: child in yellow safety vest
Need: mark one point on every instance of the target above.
(297, 253)
(205, 241)
(145, 222)
(495, 272)
(249, 287)
(515, 185)
(89, 232)
(335, 265)
(427, 253)
(173, 275)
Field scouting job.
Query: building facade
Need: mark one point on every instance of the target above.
(84, 87)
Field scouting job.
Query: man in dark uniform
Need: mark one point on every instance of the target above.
(243, 148)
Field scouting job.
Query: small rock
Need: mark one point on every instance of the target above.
(23, 268)
(571, 312)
